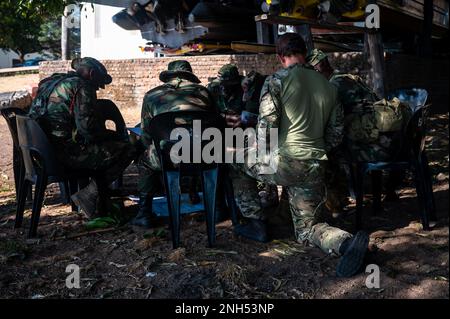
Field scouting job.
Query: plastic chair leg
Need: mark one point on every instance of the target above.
(231, 202)
(429, 188)
(172, 185)
(209, 181)
(377, 179)
(23, 192)
(17, 166)
(359, 193)
(421, 194)
(41, 185)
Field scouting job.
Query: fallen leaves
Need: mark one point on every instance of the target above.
(177, 255)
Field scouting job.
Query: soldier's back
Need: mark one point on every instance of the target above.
(53, 106)
(177, 96)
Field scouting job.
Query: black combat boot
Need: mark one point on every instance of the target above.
(254, 229)
(144, 214)
(353, 251)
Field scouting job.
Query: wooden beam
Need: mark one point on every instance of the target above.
(374, 52)
(344, 26)
(252, 47)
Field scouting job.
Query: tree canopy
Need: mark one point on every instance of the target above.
(23, 24)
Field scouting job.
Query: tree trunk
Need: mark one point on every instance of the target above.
(64, 39)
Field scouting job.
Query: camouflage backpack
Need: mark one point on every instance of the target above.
(45, 89)
(375, 132)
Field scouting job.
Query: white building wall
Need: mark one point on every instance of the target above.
(6, 58)
(103, 40)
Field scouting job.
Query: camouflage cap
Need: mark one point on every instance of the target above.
(92, 63)
(315, 57)
(229, 73)
(179, 69)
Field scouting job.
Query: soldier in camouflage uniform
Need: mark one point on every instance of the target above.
(305, 110)
(363, 138)
(65, 108)
(227, 91)
(181, 91)
(234, 94)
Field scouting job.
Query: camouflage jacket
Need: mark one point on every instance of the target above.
(175, 95)
(70, 114)
(226, 102)
(305, 109)
(352, 91)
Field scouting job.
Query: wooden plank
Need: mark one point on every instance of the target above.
(345, 26)
(252, 47)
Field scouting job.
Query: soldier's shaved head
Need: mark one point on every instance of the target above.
(290, 44)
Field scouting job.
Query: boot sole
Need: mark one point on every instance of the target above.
(353, 259)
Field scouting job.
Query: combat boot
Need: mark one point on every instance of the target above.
(254, 229)
(144, 214)
(87, 199)
(353, 251)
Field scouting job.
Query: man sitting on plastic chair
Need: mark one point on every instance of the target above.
(65, 108)
(180, 92)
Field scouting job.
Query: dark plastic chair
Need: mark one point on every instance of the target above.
(412, 157)
(160, 129)
(108, 111)
(41, 169)
(9, 115)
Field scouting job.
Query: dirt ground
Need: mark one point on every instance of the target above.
(18, 82)
(127, 262)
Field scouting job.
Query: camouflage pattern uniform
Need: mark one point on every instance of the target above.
(362, 139)
(234, 93)
(304, 108)
(180, 92)
(70, 120)
(226, 90)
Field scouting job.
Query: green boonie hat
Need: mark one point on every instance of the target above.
(315, 57)
(92, 64)
(179, 69)
(229, 73)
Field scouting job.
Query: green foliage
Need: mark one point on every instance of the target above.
(21, 22)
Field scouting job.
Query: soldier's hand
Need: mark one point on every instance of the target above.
(233, 120)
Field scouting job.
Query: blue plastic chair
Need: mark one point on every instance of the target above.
(412, 157)
(160, 129)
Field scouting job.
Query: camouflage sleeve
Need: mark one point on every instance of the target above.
(334, 130)
(146, 117)
(270, 105)
(86, 122)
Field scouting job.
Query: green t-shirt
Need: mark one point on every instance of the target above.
(305, 108)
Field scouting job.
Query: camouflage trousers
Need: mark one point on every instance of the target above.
(110, 157)
(304, 183)
(149, 168)
(336, 183)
